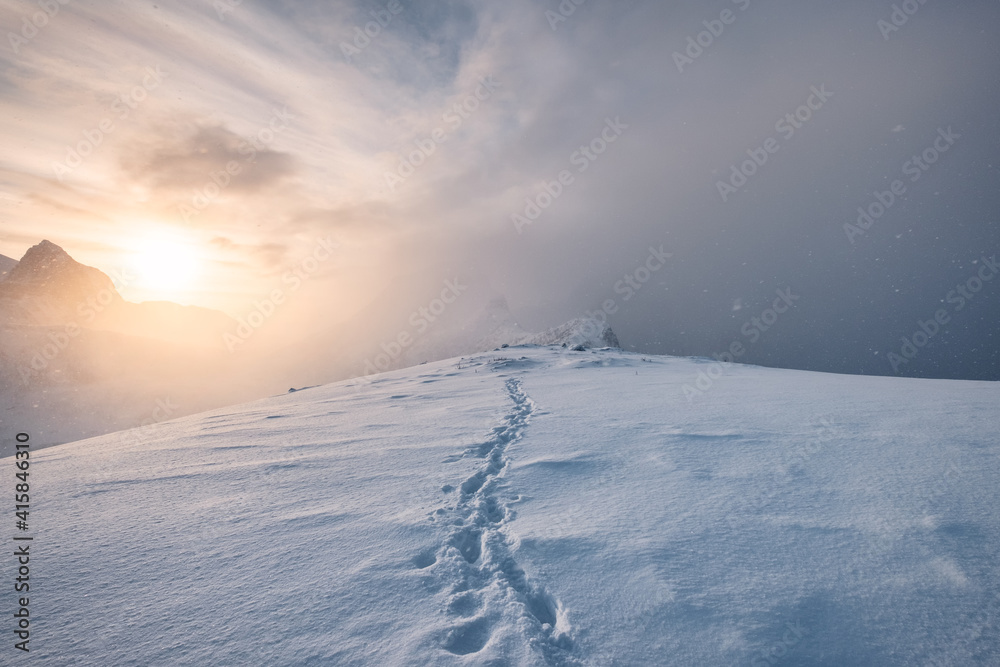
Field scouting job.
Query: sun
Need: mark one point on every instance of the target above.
(164, 266)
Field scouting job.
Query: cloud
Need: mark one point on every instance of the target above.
(269, 255)
(186, 157)
(357, 119)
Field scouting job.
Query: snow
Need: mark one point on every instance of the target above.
(549, 507)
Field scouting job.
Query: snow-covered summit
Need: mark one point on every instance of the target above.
(584, 332)
(483, 321)
(540, 506)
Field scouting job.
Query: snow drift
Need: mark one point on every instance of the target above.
(544, 507)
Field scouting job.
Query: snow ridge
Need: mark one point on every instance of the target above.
(487, 586)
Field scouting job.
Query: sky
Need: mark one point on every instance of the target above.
(686, 169)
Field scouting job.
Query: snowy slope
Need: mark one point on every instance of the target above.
(553, 508)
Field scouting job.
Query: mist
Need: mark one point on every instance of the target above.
(797, 185)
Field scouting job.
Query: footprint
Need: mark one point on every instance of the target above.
(469, 544)
(424, 559)
(541, 605)
(494, 512)
(464, 604)
(482, 451)
(478, 514)
(474, 483)
(468, 638)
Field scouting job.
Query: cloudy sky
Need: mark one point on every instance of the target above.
(553, 151)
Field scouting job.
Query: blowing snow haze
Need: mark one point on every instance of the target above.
(521, 332)
(78, 360)
(845, 153)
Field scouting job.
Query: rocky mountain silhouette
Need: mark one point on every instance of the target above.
(49, 288)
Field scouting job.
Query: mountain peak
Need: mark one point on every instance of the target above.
(46, 270)
(41, 258)
(46, 245)
(582, 331)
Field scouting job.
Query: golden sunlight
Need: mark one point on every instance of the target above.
(165, 265)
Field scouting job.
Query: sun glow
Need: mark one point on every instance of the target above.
(165, 266)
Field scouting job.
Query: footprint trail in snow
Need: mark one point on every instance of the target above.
(484, 586)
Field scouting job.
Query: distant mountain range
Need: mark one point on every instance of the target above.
(77, 360)
(49, 288)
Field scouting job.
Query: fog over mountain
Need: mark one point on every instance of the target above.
(77, 360)
(501, 332)
(550, 151)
